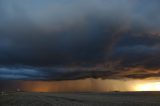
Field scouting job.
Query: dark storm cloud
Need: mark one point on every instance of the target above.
(88, 34)
(19, 73)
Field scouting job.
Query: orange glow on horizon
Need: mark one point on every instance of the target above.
(38, 86)
(40, 89)
(56, 86)
(91, 85)
(154, 86)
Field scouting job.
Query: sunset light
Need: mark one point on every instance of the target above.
(148, 87)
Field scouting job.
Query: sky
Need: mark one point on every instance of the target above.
(79, 42)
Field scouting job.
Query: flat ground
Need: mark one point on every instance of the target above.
(81, 99)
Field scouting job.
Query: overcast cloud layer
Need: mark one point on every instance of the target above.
(75, 39)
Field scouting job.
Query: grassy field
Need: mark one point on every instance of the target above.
(81, 99)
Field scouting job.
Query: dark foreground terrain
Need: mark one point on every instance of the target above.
(81, 99)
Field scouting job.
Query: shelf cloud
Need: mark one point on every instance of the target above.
(77, 39)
